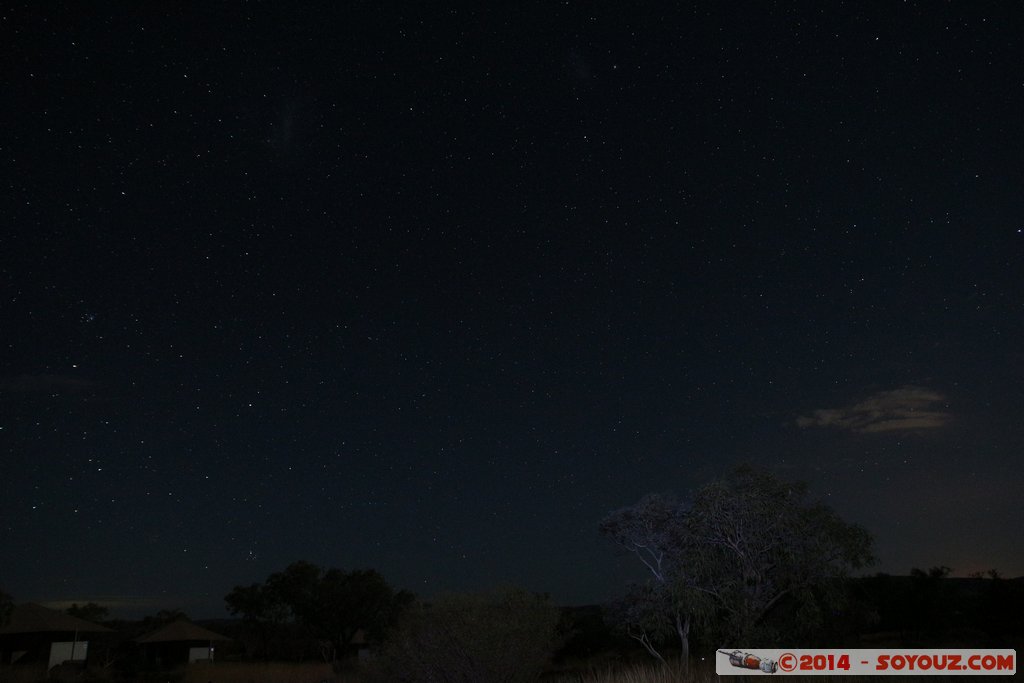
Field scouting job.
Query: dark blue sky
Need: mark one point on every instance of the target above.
(432, 291)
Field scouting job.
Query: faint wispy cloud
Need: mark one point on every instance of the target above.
(907, 408)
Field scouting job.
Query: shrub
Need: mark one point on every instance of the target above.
(503, 636)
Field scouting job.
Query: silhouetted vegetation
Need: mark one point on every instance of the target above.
(306, 606)
(162, 618)
(506, 635)
(930, 608)
(89, 611)
(6, 605)
(749, 560)
(521, 635)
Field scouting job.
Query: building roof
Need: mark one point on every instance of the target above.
(33, 618)
(178, 631)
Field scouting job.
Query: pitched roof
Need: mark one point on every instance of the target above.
(33, 618)
(179, 630)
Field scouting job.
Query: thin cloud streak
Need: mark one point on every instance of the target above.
(908, 408)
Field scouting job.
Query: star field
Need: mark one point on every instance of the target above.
(432, 290)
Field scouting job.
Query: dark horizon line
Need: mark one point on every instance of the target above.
(63, 604)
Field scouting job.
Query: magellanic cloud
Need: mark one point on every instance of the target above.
(908, 408)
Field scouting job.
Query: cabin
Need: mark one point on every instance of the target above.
(179, 642)
(35, 635)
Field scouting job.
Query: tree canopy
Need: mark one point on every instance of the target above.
(755, 541)
(329, 605)
(747, 544)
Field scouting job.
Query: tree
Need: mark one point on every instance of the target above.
(264, 613)
(349, 602)
(748, 544)
(327, 606)
(89, 611)
(653, 530)
(998, 610)
(503, 636)
(755, 541)
(931, 604)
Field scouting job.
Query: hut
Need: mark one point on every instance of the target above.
(37, 635)
(179, 642)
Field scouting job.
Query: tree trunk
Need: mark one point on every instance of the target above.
(683, 629)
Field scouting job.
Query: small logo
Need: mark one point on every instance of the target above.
(744, 660)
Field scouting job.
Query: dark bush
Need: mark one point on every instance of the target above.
(505, 636)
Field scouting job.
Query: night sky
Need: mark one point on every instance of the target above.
(432, 291)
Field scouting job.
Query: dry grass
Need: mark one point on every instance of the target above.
(22, 674)
(644, 673)
(217, 672)
(261, 672)
(315, 672)
(702, 673)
